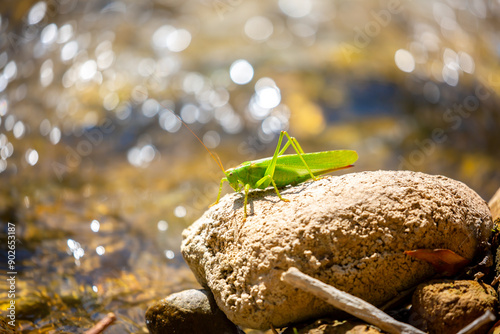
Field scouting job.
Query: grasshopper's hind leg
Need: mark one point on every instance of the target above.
(278, 193)
(268, 177)
(299, 151)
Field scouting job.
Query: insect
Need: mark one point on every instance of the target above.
(281, 170)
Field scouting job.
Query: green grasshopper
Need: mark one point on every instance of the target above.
(281, 170)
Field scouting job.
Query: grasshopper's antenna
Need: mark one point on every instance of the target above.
(217, 160)
(214, 156)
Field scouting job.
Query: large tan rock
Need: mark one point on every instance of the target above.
(349, 231)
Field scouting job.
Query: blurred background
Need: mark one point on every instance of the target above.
(100, 178)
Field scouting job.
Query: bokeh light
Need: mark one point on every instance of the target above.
(180, 211)
(100, 250)
(267, 93)
(88, 70)
(241, 72)
(404, 60)
(162, 226)
(141, 156)
(258, 28)
(169, 254)
(69, 50)
(178, 40)
(295, 8)
(95, 225)
(211, 139)
(32, 156)
(37, 12)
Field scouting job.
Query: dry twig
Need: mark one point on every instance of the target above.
(487, 317)
(102, 324)
(347, 302)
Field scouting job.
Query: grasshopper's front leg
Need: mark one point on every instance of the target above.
(247, 189)
(220, 190)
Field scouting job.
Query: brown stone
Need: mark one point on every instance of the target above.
(447, 306)
(188, 311)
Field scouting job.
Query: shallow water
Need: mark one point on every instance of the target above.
(98, 178)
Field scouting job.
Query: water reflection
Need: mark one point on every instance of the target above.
(90, 93)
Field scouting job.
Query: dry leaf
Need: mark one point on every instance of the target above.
(444, 261)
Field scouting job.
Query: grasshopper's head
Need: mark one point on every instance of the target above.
(232, 178)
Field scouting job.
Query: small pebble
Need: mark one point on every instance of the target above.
(189, 311)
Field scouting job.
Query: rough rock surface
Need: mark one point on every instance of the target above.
(447, 306)
(349, 231)
(189, 311)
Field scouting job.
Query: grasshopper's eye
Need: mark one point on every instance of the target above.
(230, 173)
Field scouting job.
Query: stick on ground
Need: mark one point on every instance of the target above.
(487, 317)
(102, 324)
(347, 302)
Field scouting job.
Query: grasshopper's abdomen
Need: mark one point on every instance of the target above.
(284, 178)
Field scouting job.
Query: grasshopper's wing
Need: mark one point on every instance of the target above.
(291, 170)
